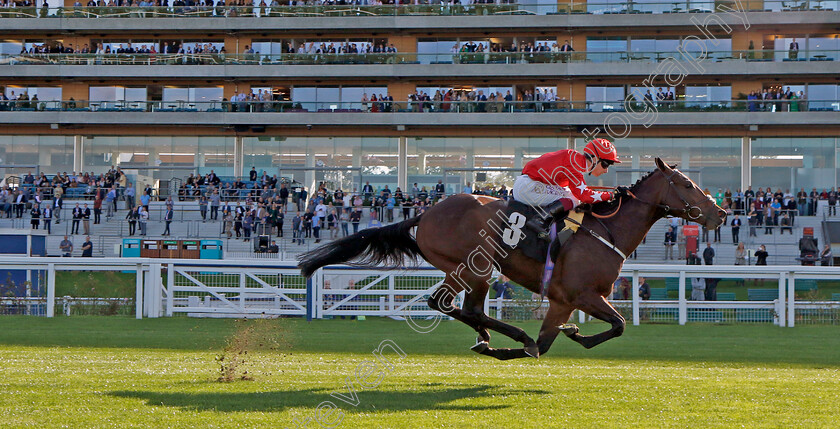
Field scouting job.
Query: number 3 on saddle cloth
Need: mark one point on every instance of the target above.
(514, 234)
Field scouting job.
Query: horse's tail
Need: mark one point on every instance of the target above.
(388, 245)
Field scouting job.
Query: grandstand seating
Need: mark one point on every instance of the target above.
(762, 294)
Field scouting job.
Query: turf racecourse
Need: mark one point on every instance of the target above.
(120, 372)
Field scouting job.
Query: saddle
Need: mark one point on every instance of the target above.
(514, 235)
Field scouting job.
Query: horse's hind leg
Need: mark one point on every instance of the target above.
(598, 307)
(442, 300)
(474, 309)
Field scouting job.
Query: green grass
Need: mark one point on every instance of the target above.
(121, 372)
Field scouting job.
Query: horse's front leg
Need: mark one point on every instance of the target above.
(598, 307)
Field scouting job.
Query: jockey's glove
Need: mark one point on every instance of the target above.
(621, 191)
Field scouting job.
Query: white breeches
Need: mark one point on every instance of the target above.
(534, 193)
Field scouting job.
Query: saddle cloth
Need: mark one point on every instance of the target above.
(514, 234)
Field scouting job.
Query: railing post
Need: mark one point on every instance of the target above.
(780, 303)
(635, 294)
(170, 285)
(391, 291)
(683, 307)
(791, 312)
(50, 290)
(310, 299)
(138, 293)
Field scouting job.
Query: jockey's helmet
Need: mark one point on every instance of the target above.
(602, 150)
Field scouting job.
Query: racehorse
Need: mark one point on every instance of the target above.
(457, 236)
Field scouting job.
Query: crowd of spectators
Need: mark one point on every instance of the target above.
(777, 100)
(462, 100)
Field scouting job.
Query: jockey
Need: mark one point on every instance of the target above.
(555, 182)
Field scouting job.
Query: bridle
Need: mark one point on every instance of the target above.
(686, 211)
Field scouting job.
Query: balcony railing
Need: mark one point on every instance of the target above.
(470, 106)
(416, 58)
(359, 9)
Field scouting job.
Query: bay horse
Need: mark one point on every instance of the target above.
(459, 236)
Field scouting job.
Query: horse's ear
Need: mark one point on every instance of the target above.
(662, 166)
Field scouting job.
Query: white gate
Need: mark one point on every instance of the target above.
(354, 292)
(231, 291)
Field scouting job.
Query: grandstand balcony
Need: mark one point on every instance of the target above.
(580, 15)
(728, 64)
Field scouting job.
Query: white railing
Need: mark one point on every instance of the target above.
(267, 288)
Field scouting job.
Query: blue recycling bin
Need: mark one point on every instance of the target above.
(131, 248)
(210, 249)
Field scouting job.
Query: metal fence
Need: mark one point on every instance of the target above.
(782, 295)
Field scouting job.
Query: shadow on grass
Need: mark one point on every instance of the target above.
(369, 400)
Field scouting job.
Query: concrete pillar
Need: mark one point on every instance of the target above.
(357, 162)
(685, 159)
(78, 153)
(746, 162)
(238, 156)
(309, 176)
(517, 158)
(402, 163)
(635, 164)
(199, 160)
(570, 142)
(421, 162)
(470, 163)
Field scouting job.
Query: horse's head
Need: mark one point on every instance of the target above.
(686, 200)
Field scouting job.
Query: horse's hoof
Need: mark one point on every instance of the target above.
(480, 347)
(569, 329)
(533, 350)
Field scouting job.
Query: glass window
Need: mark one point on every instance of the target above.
(704, 96)
(793, 163)
(436, 50)
(823, 97)
(602, 98)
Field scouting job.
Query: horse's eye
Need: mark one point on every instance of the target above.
(688, 185)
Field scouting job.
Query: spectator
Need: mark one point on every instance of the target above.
(711, 289)
(202, 208)
(708, 254)
(793, 51)
(47, 215)
(132, 217)
(143, 219)
(736, 228)
(467, 189)
(502, 288)
(227, 221)
(786, 224)
(297, 228)
(66, 247)
(644, 289)
(832, 202)
(698, 289)
(86, 219)
(273, 248)
(167, 219)
(740, 255)
(248, 224)
(129, 195)
(826, 258)
(144, 201)
(343, 218)
(35, 213)
(77, 218)
(215, 203)
(111, 202)
(58, 204)
(316, 228)
(355, 219)
(670, 240)
(87, 248)
(761, 255)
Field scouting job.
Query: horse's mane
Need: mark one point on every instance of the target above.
(606, 207)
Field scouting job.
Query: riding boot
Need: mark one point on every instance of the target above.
(556, 212)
